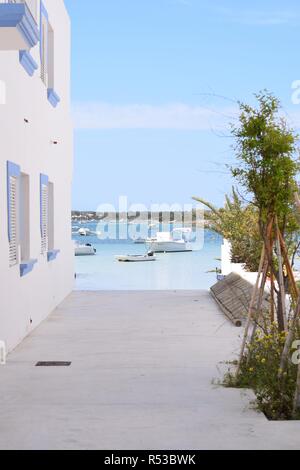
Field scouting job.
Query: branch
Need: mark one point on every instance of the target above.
(207, 204)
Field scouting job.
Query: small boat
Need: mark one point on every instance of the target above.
(165, 242)
(85, 250)
(84, 232)
(139, 241)
(136, 258)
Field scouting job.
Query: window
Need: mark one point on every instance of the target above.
(18, 200)
(44, 44)
(50, 217)
(47, 219)
(50, 46)
(44, 49)
(13, 177)
(24, 218)
(44, 209)
(47, 52)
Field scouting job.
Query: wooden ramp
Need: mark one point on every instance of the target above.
(233, 295)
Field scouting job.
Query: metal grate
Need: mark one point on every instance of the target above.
(53, 364)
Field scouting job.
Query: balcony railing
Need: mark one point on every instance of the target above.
(31, 5)
(18, 25)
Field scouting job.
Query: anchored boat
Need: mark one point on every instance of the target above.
(166, 242)
(84, 232)
(136, 258)
(139, 241)
(85, 250)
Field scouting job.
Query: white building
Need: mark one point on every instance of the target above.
(36, 252)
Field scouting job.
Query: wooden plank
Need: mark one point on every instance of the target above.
(233, 295)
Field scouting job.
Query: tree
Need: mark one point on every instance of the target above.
(268, 165)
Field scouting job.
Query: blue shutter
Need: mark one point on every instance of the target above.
(44, 44)
(44, 207)
(13, 177)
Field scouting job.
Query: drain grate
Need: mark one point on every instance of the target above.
(53, 364)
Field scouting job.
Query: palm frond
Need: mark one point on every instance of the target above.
(213, 208)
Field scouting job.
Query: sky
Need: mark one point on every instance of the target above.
(154, 89)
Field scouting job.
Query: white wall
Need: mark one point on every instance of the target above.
(227, 267)
(33, 297)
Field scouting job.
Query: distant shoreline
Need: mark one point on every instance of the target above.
(193, 218)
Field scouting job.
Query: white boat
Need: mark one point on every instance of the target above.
(85, 250)
(84, 232)
(136, 258)
(167, 242)
(139, 241)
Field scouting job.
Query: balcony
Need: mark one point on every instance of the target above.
(18, 27)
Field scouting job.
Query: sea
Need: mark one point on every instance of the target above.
(192, 270)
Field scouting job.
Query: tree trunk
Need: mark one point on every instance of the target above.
(281, 311)
(250, 311)
(289, 340)
(294, 289)
(259, 302)
(296, 407)
(272, 287)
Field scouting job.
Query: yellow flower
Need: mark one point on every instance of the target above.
(263, 360)
(251, 369)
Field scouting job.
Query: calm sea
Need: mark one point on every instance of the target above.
(171, 271)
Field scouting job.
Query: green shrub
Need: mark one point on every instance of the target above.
(259, 371)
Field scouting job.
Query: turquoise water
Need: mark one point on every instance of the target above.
(171, 271)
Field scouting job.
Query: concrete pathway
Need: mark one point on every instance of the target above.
(141, 378)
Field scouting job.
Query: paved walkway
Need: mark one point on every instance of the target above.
(141, 378)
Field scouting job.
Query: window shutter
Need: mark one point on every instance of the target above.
(13, 241)
(44, 50)
(44, 217)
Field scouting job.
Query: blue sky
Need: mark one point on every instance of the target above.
(154, 84)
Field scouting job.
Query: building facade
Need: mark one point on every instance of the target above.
(36, 251)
